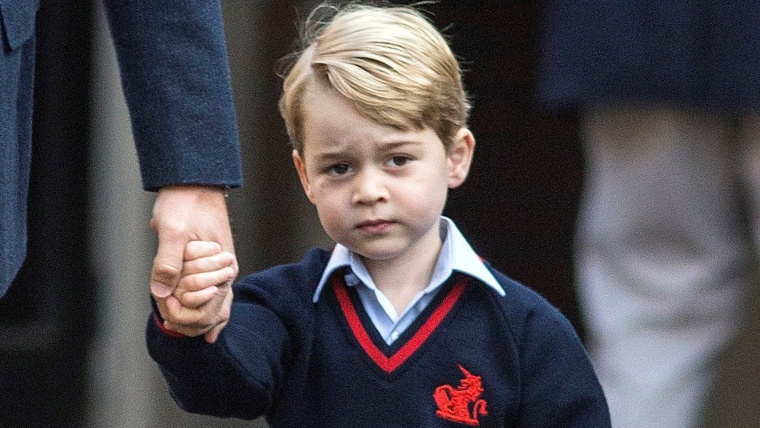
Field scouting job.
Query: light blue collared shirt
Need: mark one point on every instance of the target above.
(456, 255)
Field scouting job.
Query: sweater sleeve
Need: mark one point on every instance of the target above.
(235, 377)
(176, 79)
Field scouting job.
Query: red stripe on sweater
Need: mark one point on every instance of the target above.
(389, 364)
(160, 324)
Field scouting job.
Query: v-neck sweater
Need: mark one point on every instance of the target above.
(455, 254)
(471, 358)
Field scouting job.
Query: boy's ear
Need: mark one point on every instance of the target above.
(301, 168)
(460, 157)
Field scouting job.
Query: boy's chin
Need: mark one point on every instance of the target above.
(375, 255)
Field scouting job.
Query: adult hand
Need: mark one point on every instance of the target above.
(182, 214)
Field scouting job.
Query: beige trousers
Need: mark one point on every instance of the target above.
(664, 253)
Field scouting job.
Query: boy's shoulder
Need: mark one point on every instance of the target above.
(524, 307)
(306, 271)
(517, 293)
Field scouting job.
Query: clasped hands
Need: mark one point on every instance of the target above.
(201, 302)
(195, 264)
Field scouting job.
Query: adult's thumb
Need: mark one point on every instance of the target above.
(167, 267)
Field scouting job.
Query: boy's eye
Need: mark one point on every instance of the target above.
(338, 169)
(398, 160)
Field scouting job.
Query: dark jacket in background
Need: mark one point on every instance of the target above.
(693, 53)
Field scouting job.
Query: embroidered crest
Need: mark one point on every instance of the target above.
(463, 403)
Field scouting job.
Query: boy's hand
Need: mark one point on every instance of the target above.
(201, 303)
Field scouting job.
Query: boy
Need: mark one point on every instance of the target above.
(401, 324)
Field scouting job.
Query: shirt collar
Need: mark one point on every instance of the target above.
(456, 255)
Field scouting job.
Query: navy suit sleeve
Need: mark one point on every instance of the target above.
(559, 386)
(176, 79)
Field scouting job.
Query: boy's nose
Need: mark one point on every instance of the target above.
(369, 188)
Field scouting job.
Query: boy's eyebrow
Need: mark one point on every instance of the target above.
(329, 156)
(338, 154)
(399, 143)
(341, 153)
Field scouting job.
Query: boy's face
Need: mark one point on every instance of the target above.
(378, 190)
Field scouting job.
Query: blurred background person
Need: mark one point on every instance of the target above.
(668, 95)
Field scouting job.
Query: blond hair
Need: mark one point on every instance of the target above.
(389, 61)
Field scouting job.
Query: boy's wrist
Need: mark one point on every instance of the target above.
(159, 320)
(160, 324)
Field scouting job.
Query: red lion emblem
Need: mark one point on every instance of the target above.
(463, 403)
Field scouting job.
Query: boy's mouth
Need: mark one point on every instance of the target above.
(374, 226)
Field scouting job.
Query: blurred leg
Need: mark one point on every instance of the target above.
(735, 397)
(661, 259)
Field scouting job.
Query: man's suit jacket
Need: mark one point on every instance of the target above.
(175, 75)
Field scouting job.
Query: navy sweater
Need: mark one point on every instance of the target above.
(472, 358)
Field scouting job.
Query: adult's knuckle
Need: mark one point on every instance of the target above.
(163, 268)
